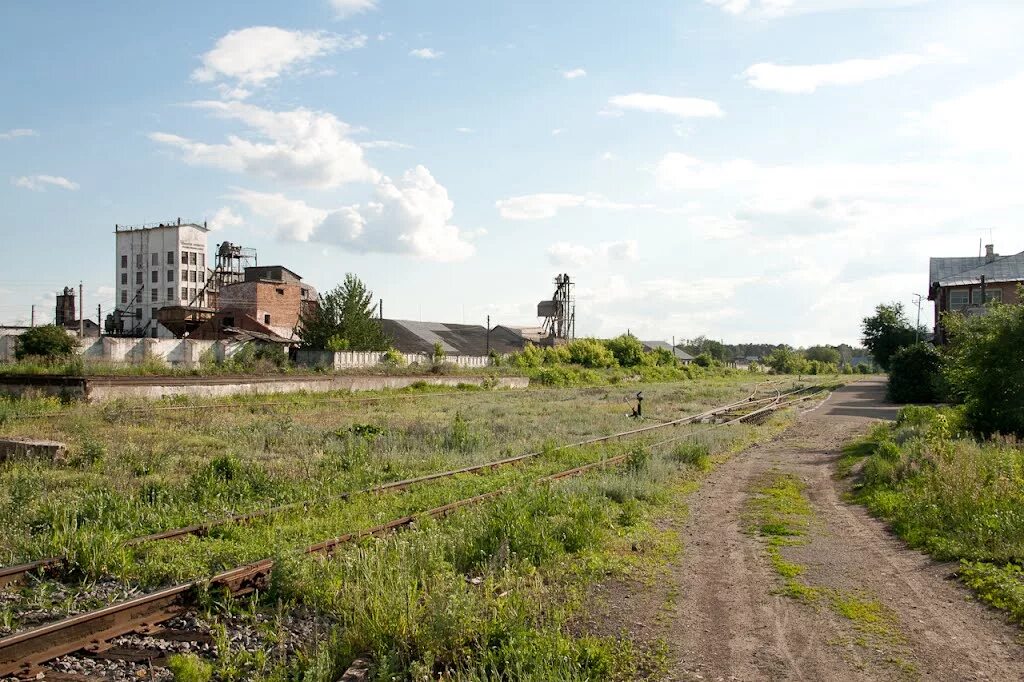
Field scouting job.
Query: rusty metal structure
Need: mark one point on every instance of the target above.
(559, 312)
(22, 653)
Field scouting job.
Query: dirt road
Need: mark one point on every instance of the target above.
(884, 612)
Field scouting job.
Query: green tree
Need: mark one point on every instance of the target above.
(887, 331)
(785, 360)
(915, 374)
(346, 319)
(46, 341)
(985, 367)
(702, 344)
(826, 354)
(627, 349)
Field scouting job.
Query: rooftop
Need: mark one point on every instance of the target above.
(157, 226)
(409, 336)
(1002, 269)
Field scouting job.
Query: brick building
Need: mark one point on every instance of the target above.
(270, 300)
(965, 284)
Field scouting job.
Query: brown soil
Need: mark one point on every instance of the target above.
(720, 610)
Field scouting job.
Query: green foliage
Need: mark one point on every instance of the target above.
(716, 349)
(985, 367)
(530, 357)
(345, 320)
(886, 332)
(914, 374)
(693, 453)
(785, 360)
(392, 358)
(661, 357)
(627, 349)
(189, 668)
(438, 353)
(824, 354)
(704, 360)
(590, 353)
(46, 341)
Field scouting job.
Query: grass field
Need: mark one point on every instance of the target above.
(484, 594)
(952, 496)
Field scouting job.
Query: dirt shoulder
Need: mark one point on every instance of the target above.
(845, 600)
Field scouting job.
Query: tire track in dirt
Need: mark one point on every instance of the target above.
(729, 623)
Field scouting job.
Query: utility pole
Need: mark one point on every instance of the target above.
(917, 329)
(81, 312)
(33, 314)
(99, 320)
(488, 334)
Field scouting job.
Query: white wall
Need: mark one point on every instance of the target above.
(355, 359)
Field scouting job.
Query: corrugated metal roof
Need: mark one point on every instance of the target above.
(942, 268)
(1004, 269)
(680, 354)
(409, 336)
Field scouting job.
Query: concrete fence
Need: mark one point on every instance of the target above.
(356, 359)
(188, 352)
(132, 351)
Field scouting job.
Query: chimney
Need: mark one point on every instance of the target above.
(990, 254)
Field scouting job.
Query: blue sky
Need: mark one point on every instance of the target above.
(751, 170)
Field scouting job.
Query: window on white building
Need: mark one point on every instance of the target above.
(192, 276)
(202, 259)
(184, 294)
(170, 258)
(124, 261)
(170, 294)
(155, 259)
(184, 258)
(124, 296)
(138, 278)
(154, 295)
(154, 276)
(124, 278)
(170, 275)
(192, 258)
(202, 275)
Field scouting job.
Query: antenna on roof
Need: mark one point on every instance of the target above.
(979, 247)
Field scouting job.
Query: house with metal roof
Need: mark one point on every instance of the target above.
(965, 284)
(681, 355)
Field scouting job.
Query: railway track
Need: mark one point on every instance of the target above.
(15, 574)
(23, 653)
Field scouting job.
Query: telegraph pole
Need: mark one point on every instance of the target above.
(99, 320)
(917, 329)
(81, 312)
(488, 334)
(33, 314)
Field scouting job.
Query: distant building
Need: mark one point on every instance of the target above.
(681, 355)
(157, 266)
(408, 336)
(269, 301)
(965, 284)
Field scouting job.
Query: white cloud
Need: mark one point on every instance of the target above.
(810, 77)
(683, 107)
(781, 8)
(17, 132)
(547, 205)
(384, 144)
(609, 156)
(347, 8)
(38, 183)
(557, 131)
(572, 74)
(565, 254)
(253, 56)
(300, 147)
(465, 131)
(987, 118)
(425, 53)
(410, 216)
(224, 217)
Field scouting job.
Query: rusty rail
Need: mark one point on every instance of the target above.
(23, 652)
(15, 574)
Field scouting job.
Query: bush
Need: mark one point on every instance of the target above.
(704, 360)
(48, 341)
(590, 353)
(985, 368)
(627, 349)
(439, 353)
(392, 358)
(914, 374)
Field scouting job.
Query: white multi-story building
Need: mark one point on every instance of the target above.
(158, 266)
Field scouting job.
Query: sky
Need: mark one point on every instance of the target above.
(747, 170)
